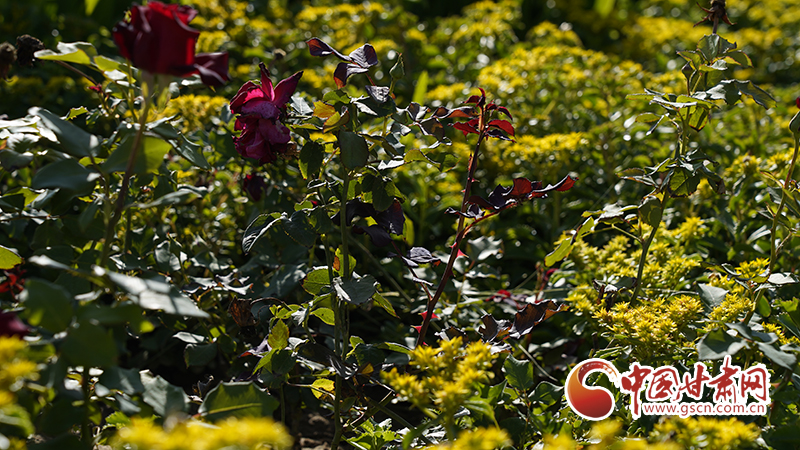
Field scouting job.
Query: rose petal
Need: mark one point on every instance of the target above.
(285, 89)
(213, 68)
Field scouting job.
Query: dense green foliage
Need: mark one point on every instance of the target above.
(178, 294)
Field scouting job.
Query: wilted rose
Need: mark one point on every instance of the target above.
(261, 110)
(157, 39)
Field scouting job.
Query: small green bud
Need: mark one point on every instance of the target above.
(397, 71)
(794, 125)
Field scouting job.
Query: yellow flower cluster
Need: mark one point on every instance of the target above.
(447, 374)
(604, 436)
(348, 26)
(706, 432)
(231, 434)
(548, 153)
(13, 367)
(737, 301)
(195, 110)
(652, 327)
(548, 34)
(495, 20)
(477, 439)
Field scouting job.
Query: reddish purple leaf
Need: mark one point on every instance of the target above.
(466, 112)
(364, 56)
(466, 127)
(532, 315)
(378, 235)
(502, 109)
(522, 188)
(319, 48)
(344, 71)
(503, 125)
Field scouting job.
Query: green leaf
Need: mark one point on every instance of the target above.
(12, 160)
(311, 157)
(398, 70)
(258, 228)
(683, 183)
(783, 359)
(90, 5)
(316, 280)
(647, 118)
(650, 211)
(191, 152)
(165, 398)
(566, 244)
(758, 95)
(698, 117)
(421, 88)
(47, 305)
(481, 406)
(786, 321)
(711, 296)
(183, 146)
(118, 419)
(762, 307)
(695, 58)
(519, 374)
(383, 193)
(119, 313)
(278, 337)
(395, 347)
(8, 258)
(380, 301)
(89, 345)
(71, 52)
(200, 354)
(794, 125)
(354, 149)
(74, 141)
(443, 161)
(126, 380)
(338, 267)
(547, 394)
(237, 400)
(336, 96)
(325, 314)
(107, 64)
(717, 344)
(66, 174)
(171, 198)
(299, 229)
(738, 57)
(148, 158)
(153, 294)
(356, 290)
(712, 46)
(75, 112)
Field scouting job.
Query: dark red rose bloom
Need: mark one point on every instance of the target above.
(158, 39)
(261, 110)
(10, 325)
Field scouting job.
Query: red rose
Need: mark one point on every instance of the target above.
(157, 39)
(261, 109)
